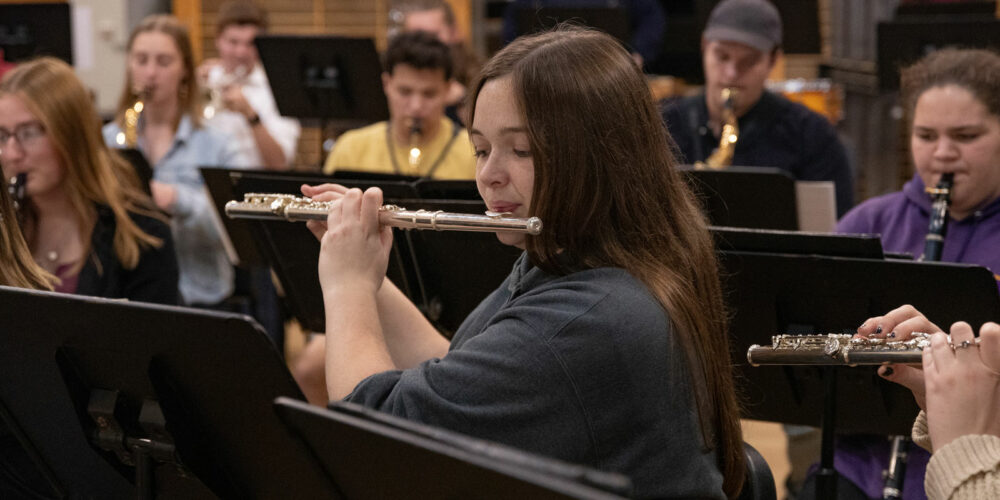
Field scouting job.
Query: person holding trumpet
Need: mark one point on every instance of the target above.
(607, 344)
(241, 103)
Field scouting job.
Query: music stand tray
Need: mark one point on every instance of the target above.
(120, 399)
(368, 454)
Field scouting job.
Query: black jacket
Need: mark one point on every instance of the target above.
(775, 132)
(154, 279)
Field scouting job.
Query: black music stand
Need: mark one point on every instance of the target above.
(119, 399)
(750, 197)
(368, 454)
(32, 30)
(795, 288)
(901, 42)
(324, 77)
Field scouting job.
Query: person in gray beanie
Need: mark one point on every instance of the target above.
(740, 45)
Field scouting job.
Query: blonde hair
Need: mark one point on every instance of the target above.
(17, 268)
(189, 99)
(94, 174)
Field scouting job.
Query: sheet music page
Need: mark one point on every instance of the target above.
(817, 206)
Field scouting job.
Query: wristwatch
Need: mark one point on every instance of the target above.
(254, 120)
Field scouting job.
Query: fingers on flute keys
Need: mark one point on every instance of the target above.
(323, 192)
(898, 324)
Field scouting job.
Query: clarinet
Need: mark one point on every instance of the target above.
(939, 218)
(933, 244)
(17, 194)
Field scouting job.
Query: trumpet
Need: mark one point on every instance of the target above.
(215, 103)
(270, 206)
(841, 349)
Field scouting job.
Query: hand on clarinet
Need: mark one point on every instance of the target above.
(900, 324)
(962, 383)
(354, 251)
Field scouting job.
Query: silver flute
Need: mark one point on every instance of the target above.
(841, 349)
(270, 206)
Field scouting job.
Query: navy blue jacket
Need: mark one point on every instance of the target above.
(775, 132)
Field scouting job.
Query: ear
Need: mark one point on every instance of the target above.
(386, 78)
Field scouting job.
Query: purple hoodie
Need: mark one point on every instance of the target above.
(902, 219)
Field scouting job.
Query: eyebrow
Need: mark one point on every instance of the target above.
(503, 131)
(970, 126)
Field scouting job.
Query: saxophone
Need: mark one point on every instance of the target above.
(722, 157)
(415, 154)
(129, 136)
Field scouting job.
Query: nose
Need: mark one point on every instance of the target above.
(945, 150)
(730, 73)
(492, 171)
(10, 149)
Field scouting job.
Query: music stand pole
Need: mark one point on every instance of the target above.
(826, 478)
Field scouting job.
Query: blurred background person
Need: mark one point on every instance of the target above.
(417, 74)
(740, 45)
(953, 98)
(86, 219)
(241, 103)
(170, 135)
(438, 18)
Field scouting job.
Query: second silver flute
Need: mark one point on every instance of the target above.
(269, 206)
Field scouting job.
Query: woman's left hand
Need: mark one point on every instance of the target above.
(963, 383)
(355, 248)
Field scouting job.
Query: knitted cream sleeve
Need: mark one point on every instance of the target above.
(966, 468)
(919, 434)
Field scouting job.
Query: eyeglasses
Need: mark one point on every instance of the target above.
(24, 135)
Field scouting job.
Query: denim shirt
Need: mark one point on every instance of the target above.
(206, 275)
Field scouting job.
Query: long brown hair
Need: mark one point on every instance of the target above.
(94, 175)
(17, 268)
(606, 187)
(189, 99)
